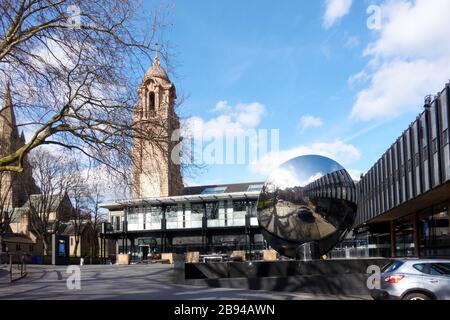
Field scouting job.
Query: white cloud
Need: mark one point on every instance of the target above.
(287, 177)
(409, 59)
(231, 120)
(338, 151)
(335, 10)
(309, 121)
(355, 174)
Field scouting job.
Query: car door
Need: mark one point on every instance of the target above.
(437, 281)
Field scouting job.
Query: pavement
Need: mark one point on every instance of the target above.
(135, 282)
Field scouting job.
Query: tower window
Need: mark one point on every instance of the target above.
(151, 101)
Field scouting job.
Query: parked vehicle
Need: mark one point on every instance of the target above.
(414, 279)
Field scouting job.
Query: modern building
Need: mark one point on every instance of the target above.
(219, 218)
(404, 198)
(402, 201)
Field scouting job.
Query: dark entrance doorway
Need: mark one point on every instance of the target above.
(144, 252)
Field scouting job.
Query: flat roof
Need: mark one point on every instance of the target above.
(180, 199)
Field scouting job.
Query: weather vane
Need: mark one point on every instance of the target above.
(156, 49)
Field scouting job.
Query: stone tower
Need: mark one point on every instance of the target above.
(14, 187)
(154, 172)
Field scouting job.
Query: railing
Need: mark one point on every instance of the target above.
(16, 266)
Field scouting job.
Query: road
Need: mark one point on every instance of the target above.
(136, 282)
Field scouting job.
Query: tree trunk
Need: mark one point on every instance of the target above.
(75, 251)
(1, 244)
(46, 246)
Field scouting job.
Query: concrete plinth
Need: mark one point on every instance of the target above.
(192, 257)
(270, 255)
(336, 277)
(238, 255)
(168, 257)
(123, 259)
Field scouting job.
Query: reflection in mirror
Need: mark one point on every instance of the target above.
(309, 199)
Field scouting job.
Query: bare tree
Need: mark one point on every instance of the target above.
(79, 195)
(47, 210)
(97, 216)
(6, 207)
(74, 70)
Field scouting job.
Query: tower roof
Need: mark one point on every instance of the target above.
(7, 116)
(8, 125)
(156, 71)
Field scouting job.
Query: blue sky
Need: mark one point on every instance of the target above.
(313, 69)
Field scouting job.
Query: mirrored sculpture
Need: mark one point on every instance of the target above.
(309, 201)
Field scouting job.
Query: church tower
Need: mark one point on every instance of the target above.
(155, 174)
(14, 187)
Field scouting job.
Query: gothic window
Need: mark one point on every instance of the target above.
(151, 101)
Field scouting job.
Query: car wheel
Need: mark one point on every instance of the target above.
(416, 296)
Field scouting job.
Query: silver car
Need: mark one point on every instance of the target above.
(414, 279)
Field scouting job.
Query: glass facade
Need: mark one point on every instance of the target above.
(404, 237)
(434, 231)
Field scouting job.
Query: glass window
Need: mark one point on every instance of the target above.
(212, 210)
(172, 213)
(441, 268)
(434, 269)
(434, 231)
(393, 266)
(214, 190)
(133, 218)
(239, 206)
(255, 188)
(151, 101)
(420, 267)
(404, 233)
(197, 208)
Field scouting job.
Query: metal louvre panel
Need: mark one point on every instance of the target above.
(424, 145)
(391, 178)
(328, 184)
(402, 170)
(319, 188)
(444, 139)
(434, 145)
(383, 184)
(364, 198)
(396, 172)
(380, 185)
(409, 165)
(386, 182)
(333, 181)
(339, 185)
(374, 192)
(372, 188)
(416, 159)
(367, 197)
(325, 187)
(377, 189)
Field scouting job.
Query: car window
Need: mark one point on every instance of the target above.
(434, 269)
(391, 267)
(421, 267)
(440, 269)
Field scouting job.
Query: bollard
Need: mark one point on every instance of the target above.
(10, 268)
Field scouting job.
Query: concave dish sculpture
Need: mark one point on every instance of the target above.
(309, 199)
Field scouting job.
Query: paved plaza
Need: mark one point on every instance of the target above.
(136, 282)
